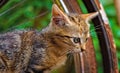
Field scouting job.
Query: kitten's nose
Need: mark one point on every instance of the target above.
(83, 47)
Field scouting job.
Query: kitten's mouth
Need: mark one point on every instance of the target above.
(76, 50)
(72, 51)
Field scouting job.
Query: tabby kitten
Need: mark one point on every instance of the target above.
(31, 51)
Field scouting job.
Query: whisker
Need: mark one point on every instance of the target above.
(98, 26)
(95, 34)
(94, 29)
(12, 8)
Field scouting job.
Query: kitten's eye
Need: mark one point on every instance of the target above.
(76, 40)
(59, 21)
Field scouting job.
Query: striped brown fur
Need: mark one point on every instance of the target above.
(33, 51)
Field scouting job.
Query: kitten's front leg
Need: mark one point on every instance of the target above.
(30, 71)
(5, 64)
(38, 68)
(47, 71)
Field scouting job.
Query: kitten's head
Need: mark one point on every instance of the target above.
(72, 26)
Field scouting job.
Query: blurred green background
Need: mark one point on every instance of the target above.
(35, 14)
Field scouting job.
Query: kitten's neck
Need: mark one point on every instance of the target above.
(47, 29)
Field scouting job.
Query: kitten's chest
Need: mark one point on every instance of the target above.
(61, 61)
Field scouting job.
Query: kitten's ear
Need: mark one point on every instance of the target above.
(58, 17)
(89, 16)
(56, 12)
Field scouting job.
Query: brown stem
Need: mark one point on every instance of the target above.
(117, 5)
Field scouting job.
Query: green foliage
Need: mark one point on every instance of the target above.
(20, 14)
(35, 14)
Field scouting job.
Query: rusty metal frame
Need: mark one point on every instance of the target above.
(107, 45)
